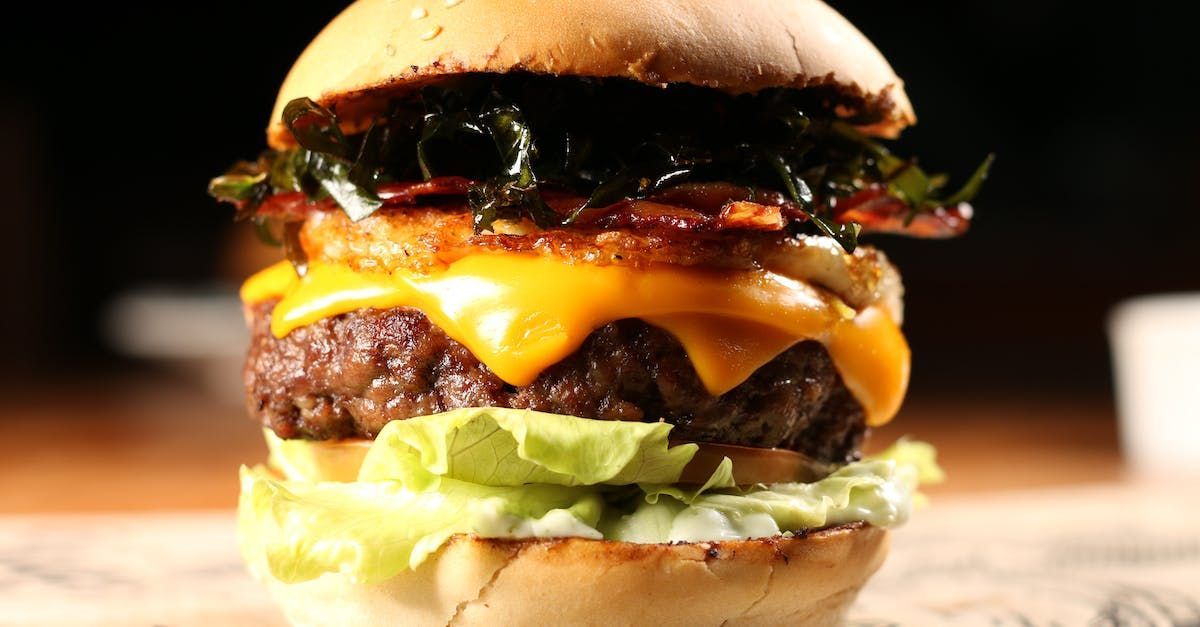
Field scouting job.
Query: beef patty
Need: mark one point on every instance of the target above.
(349, 375)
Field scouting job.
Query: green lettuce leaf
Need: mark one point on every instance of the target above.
(880, 490)
(370, 531)
(512, 447)
(722, 477)
(300, 460)
(518, 474)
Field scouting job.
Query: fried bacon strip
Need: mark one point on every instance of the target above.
(697, 207)
(690, 207)
(295, 206)
(878, 212)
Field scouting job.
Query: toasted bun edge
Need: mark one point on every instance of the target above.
(811, 579)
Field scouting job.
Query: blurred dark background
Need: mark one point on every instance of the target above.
(114, 116)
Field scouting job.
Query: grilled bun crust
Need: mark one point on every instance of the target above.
(803, 580)
(378, 49)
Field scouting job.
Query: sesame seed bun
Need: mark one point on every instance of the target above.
(378, 49)
(803, 580)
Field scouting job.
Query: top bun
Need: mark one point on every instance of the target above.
(383, 48)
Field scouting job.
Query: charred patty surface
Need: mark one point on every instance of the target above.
(351, 374)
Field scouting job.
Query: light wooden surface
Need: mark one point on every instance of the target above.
(144, 568)
(1114, 554)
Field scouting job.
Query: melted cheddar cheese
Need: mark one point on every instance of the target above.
(519, 314)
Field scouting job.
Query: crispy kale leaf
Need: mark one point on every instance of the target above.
(604, 140)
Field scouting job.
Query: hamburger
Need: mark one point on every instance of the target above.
(574, 324)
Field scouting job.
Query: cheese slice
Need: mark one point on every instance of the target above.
(519, 314)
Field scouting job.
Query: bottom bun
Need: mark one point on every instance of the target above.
(801, 580)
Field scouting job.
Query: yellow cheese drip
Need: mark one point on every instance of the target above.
(519, 314)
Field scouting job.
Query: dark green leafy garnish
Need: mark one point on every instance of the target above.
(971, 188)
(244, 189)
(510, 186)
(602, 140)
(237, 187)
(340, 170)
(516, 187)
(845, 234)
(906, 181)
(316, 128)
(652, 167)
